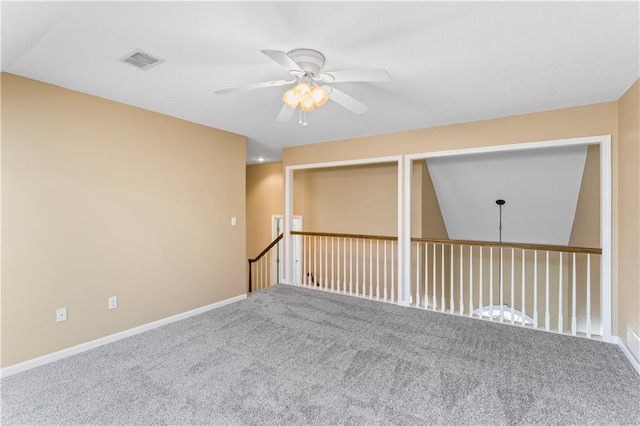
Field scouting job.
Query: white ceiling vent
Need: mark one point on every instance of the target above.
(141, 60)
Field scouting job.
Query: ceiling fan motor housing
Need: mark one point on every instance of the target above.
(311, 61)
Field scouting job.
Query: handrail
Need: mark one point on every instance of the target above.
(258, 257)
(265, 251)
(359, 236)
(566, 249)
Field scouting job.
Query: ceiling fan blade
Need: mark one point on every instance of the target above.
(355, 75)
(285, 61)
(345, 100)
(254, 86)
(286, 113)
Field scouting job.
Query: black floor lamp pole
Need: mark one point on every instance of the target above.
(500, 203)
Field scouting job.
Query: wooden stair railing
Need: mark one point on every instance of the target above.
(542, 247)
(260, 256)
(555, 283)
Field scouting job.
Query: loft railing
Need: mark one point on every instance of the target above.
(555, 288)
(264, 267)
(359, 265)
(540, 286)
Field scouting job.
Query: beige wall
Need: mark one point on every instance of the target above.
(586, 223)
(432, 221)
(590, 120)
(102, 199)
(356, 199)
(629, 211)
(586, 233)
(265, 198)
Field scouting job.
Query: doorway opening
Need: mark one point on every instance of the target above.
(277, 228)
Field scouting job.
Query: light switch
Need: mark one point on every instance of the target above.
(233, 221)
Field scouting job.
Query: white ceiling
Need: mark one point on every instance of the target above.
(449, 62)
(540, 187)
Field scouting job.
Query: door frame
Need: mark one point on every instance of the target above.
(274, 266)
(605, 207)
(288, 208)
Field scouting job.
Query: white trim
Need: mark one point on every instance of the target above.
(288, 205)
(402, 271)
(605, 203)
(634, 362)
(514, 147)
(274, 267)
(406, 245)
(64, 353)
(605, 237)
(288, 213)
(373, 160)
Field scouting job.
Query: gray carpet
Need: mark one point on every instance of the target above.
(288, 355)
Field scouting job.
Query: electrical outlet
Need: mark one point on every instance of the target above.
(633, 343)
(234, 221)
(61, 314)
(113, 302)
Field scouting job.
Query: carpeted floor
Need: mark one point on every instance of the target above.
(288, 355)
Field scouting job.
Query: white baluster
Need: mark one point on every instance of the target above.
(393, 275)
(315, 261)
(338, 264)
(417, 276)
(357, 269)
(344, 263)
(560, 317)
(332, 270)
(351, 266)
(501, 286)
(326, 264)
(303, 246)
(470, 281)
(385, 270)
(451, 302)
(268, 267)
(547, 316)
(364, 267)
(589, 295)
(461, 283)
(371, 269)
(442, 279)
(426, 275)
(377, 269)
(435, 301)
(321, 277)
(481, 279)
(535, 288)
(309, 267)
(574, 320)
(524, 306)
(491, 283)
(513, 282)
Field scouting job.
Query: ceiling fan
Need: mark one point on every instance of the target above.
(312, 89)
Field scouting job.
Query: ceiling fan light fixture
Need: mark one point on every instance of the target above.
(307, 105)
(290, 98)
(302, 91)
(319, 96)
(305, 96)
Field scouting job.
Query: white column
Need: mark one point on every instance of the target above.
(288, 222)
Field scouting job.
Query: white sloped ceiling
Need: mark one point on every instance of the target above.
(540, 187)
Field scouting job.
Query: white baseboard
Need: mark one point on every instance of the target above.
(634, 362)
(64, 353)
